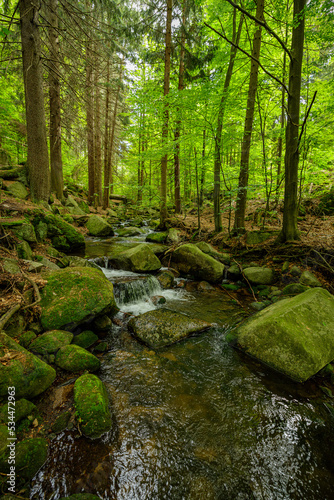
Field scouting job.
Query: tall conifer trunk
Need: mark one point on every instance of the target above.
(240, 211)
(164, 159)
(57, 183)
(38, 158)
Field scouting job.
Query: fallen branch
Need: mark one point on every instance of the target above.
(35, 287)
(243, 275)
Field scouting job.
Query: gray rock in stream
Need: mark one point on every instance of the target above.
(162, 327)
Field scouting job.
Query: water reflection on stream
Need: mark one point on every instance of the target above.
(198, 420)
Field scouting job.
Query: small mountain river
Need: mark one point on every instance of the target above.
(197, 420)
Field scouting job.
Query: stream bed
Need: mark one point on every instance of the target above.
(196, 420)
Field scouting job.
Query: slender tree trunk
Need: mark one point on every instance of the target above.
(168, 43)
(240, 211)
(108, 179)
(221, 111)
(90, 124)
(178, 125)
(139, 176)
(97, 141)
(290, 229)
(57, 183)
(38, 158)
(106, 140)
(202, 179)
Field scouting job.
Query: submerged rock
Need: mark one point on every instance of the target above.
(74, 358)
(293, 336)
(75, 295)
(189, 259)
(20, 368)
(163, 327)
(92, 406)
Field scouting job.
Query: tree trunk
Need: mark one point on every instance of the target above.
(218, 138)
(108, 176)
(106, 141)
(90, 124)
(38, 158)
(57, 183)
(239, 220)
(168, 43)
(97, 139)
(178, 125)
(290, 230)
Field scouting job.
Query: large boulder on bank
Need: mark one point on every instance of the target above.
(189, 259)
(20, 368)
(293, 336)
(75, 295)
(92, 406)
(163, 327)
(139, 259)
(64, 236)
(224, 258)
(74, 358)
(99, 227)
(50, 342)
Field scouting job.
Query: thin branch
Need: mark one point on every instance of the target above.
(265, 26)
(251, 57)
(6, 317)
(305, 119)
(38, 295)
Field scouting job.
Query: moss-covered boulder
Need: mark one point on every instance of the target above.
(128, 232)
(20, 368)
(75, 295)
(259, 275)
(24, 251)
(10, 266)
(166, 279)
(30, 456)
(307, 278)
(63, 235)
(74, 358)
(189, 259)
(99, 227)
(92, 406)
(163, 327)
(26, 338)
(23, 408)
(18, 190)
(139, 259)
(85, 339)
(294, 289)
(26, 232)
(50, 342)
(293, 336)
(224, 258)
(157, 237)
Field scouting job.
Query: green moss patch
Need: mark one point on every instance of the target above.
(76, 359)
(92, 406)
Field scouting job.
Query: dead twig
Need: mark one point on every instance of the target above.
(36, 290)
(243, 275)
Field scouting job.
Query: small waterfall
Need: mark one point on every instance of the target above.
(136, 290)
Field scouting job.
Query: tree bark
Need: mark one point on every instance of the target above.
(239, 220)
(57, 183)
(218, 138)
(97, 139)
(90, 124)
(164, 159)
(106, 141)
(38, 158)
(178, 125)
(290, 230)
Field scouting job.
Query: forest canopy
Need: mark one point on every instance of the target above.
(172, 103)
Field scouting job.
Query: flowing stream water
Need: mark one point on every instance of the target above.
(197, 420)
